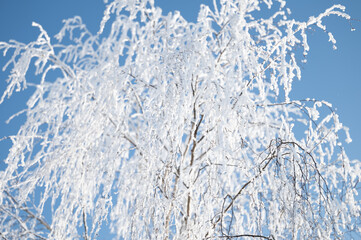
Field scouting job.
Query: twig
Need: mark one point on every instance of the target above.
(28, 212)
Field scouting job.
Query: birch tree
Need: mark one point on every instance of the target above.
(159, 128)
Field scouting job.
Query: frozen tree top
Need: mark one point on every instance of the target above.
(158, 128)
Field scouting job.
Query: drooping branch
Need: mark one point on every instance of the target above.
(85, 226)
(31, 215)
(246, 235)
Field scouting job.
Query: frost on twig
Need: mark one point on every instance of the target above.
(157, 128)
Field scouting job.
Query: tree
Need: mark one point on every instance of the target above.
(158, 128)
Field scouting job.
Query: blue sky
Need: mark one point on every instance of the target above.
(330, 75)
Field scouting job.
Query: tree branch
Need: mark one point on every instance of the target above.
(248, 235)
(28, 212)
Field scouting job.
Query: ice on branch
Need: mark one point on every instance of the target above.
(159, 128)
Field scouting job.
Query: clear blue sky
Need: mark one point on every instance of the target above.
(331, 75)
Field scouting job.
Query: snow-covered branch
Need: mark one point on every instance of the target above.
(158, 128)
